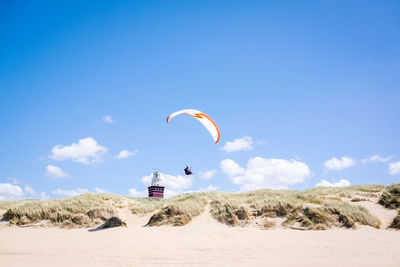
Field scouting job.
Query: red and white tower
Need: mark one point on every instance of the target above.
(156, 190)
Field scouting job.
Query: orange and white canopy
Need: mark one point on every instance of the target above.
(209, 123)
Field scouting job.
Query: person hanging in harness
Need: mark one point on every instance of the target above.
(188, 170)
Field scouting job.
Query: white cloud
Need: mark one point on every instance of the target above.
(266, 173)
(244, 143)
(394, 168)
(134, 193)
(207, 174)
(13, 180)
(29, 190)
(86, 151)
(77, 191)
(230, 167)
(9, 191)
(376, 158)
(12, 192)
(173, 184)
(98, 190)
(341, 183)
(43, 195)
(123, 154)
(209, 188)
(107, 119)
(69, 193)
(339, 164)
(55, 172)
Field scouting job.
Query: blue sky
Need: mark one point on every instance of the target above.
(296, 84)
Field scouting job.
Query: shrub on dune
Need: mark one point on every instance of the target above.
(268, 224)
(348, 213)
(396, 222)
(113, 222)
(226, 212)
(146, 205)
(179, 210)
(316, 208)
(83, 210)
(390, 197)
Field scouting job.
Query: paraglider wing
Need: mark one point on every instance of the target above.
(209, 123)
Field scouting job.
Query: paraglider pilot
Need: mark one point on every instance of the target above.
(188, 171)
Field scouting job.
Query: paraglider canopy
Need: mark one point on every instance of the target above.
(206, 120)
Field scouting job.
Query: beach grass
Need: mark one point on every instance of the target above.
(179, 210)
(390, 197)
(317, 208)
(311, 208)
(84, 210)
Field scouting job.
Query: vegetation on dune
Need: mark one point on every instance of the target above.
(179, 210)
(84, 210)
(268, 224)
(368, 190)
(316, 208)
(390, 197)
(7, 204)
(396, 222)
(113, 222)
(142, 206)
(300, 207)
(239, 209)
(358, 199)
(340, 215)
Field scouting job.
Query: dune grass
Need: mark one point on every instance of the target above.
(316, 208)
(7, 204)
(396, 222)
(142, 206)
(303, 207)
(83, 210)
(268, 224)
(390, 197)
(179, 210)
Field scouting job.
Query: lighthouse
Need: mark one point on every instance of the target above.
(156, 190)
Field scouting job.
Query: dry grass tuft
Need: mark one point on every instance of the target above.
(396, 222)
(227, 212)
(84, 210)
(302, 207)
(179, 210)
(316, 208)
(317, 218)
(348, 214)
(7, 204)
(142, 206)
(269, 224)
(339, 215)
(390, 197)
(113, 222)
(358, 199)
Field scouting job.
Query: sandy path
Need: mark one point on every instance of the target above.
(133, 220)
(386, 216)
(203, 242)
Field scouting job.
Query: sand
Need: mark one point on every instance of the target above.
(203, 242)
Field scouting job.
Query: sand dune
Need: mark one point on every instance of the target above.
(203, 242)
(385, 215)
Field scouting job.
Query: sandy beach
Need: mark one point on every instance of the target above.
(200, 133)
(203, 242)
